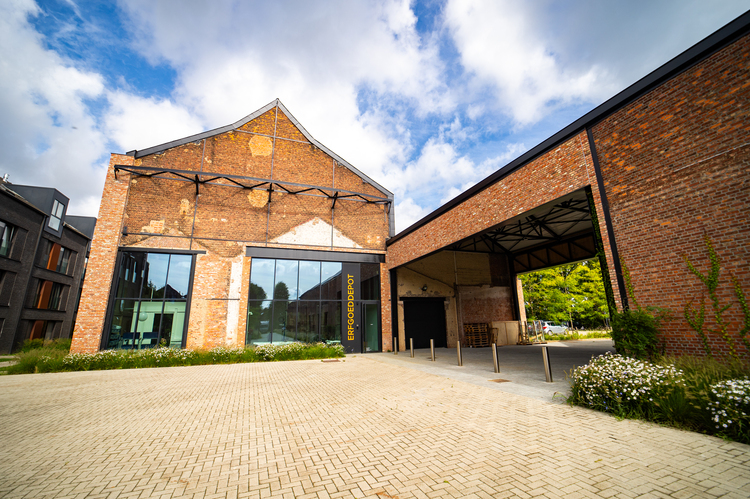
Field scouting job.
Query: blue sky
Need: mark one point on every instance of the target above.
(427, 97)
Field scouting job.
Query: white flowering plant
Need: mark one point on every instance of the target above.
(621, 385)
(729, 407)
(701, 394)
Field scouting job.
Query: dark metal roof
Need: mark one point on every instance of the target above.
(84, 225)
(689, 58)
(228, 128)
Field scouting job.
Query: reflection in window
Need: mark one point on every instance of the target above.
(7, 231)
(150, 300)
(286, 280)
(48, 295)
(56, 216)
(288, 301)
(57, 257)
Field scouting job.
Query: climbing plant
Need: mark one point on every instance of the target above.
(696, 317)
(745, 311)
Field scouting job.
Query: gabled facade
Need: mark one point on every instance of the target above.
(248, 234)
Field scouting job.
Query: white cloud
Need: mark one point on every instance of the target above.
(497, 46)
(408, 212)
(134, 122)
(317, 58)
(47, 134)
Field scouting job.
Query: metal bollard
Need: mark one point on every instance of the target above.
(411, 347)
(458, 351)
(547, 365)
(495, 361)
(432, 350)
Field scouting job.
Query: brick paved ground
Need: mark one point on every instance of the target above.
(357, 428)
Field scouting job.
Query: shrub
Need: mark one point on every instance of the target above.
(621, 385)
(30, 345)
(634, 333)
(55, 359)
(701, 394)
(730, 408)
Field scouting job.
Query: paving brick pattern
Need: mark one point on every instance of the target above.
(333, 429)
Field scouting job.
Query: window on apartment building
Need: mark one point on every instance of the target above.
(48, 295)
(55, 218)
(44, 330)
(57, 257)
(7, 231)
(151, 299)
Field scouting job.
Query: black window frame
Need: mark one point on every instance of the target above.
(5, 229)
(115, 282)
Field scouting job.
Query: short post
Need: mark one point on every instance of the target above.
(495, 362)
(458, 351)
(432, 350)
(547, 365)
(411, 347)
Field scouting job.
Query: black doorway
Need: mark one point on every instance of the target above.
(424, 319)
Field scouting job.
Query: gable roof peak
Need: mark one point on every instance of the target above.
(274, 104)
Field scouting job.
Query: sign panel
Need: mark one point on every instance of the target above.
(351, 330)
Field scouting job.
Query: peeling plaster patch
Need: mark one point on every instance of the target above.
(154, 227)
(260, 146)
(258, 199)
(233, 307)
(316, 232)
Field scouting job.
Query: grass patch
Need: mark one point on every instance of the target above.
(48, 359)
(699, 394)
(577, 335)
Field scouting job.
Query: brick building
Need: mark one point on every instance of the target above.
(43, 253)
(248, 234)
(643, 179)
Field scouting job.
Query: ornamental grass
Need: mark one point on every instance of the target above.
(49, 359)
(702, 395)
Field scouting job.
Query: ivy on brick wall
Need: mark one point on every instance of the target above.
(696, 316)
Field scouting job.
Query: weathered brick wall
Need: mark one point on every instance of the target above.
(675, 164)
(565, 169)
(223, 219)
(95, 294)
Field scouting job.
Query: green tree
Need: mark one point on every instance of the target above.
(567, 292)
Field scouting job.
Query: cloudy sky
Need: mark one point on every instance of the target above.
(425, 97)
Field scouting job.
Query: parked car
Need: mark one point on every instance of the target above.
(554, 327)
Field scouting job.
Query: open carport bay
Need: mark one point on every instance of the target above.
(521, 366)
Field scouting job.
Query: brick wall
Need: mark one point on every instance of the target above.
(675, 164)
(95, 294)
(562, 170)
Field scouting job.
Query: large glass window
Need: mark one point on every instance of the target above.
(150, 300)
(291, 300)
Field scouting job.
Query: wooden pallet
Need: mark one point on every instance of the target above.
(477, 335)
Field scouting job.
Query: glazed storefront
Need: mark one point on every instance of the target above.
(293, 295)
(311, 296)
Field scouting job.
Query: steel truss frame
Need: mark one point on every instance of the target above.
(254, 183)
